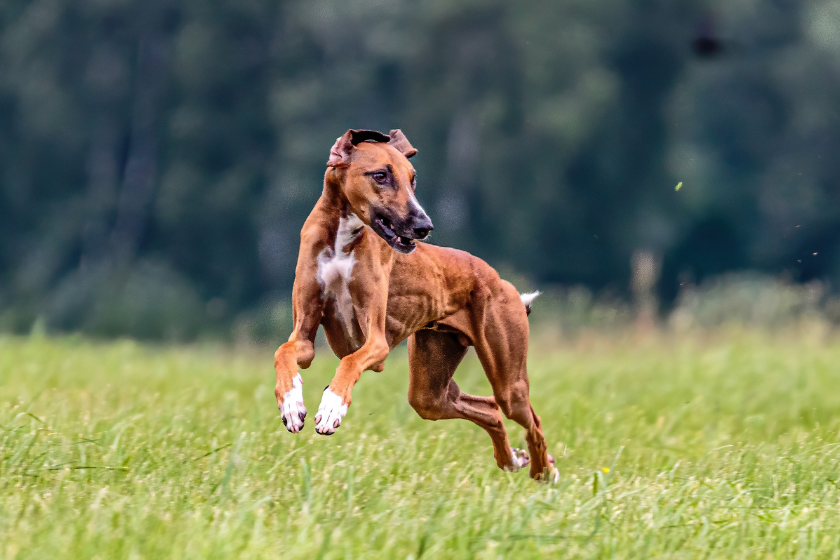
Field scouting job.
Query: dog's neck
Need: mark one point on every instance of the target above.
(334, 200)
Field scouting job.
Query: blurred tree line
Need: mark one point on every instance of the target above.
(158, 158)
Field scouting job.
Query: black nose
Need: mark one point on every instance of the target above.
(422, 226)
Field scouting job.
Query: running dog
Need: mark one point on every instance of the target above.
(364, 274)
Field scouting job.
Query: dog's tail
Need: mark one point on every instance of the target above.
(527, 300)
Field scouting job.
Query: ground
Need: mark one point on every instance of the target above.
(712, 446)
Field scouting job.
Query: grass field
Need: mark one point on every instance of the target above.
(725, 446)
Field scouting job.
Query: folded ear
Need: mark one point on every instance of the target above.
(400, 142)
(344, 144)
(341, 150)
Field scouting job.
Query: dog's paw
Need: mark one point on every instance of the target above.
(551, 475)
(292, 410)
(330, 413)
(519, 459)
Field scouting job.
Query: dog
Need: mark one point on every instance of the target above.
(364, 273)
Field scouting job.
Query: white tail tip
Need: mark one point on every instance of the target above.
(528, 299)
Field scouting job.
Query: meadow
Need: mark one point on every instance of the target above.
(721, 445)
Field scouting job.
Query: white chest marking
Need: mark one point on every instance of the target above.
(335, 268)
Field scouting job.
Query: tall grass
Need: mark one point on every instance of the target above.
(724, 446)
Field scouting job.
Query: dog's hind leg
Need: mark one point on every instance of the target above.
(501, 343)
(511, 394)
(433, 357)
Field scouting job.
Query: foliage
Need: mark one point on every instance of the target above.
(723, 447)
(751, 300)
(190, 137)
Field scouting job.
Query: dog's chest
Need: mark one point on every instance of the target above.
(335, 270)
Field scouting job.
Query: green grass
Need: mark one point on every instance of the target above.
(724, 447)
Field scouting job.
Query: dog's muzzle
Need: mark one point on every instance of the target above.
(401, 233)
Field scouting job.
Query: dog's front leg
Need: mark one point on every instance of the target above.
(338, 395)
(298, 352)
(371, 307)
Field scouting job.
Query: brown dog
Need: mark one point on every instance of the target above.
(363, 276)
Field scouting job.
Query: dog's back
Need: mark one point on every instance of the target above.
(435, 283)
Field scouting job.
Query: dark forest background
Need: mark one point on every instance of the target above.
(158, 158)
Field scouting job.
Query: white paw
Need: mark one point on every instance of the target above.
(519, 459)
(330, 413)
(292, 410)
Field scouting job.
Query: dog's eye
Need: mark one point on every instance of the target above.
(380, 177)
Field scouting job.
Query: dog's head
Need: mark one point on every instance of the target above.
(379, 182)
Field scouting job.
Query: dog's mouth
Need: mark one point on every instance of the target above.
(385, 229)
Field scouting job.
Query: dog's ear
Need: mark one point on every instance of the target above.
(360, 136)
(400, 142)
(341, 151)
(344, 144)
